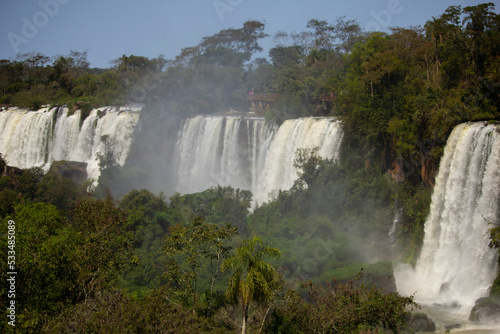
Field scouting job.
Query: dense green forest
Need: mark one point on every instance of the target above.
(315, 258)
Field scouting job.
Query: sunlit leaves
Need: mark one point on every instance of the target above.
(190, 246)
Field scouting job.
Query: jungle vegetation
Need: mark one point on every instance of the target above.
(308, 260)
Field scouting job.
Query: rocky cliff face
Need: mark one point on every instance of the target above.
(73, 170)
(403, 169)
(428, 170)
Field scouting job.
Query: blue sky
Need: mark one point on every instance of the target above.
(108, 29)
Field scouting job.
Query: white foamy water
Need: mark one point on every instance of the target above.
(248, 153)
(456, 267)
(36, 138)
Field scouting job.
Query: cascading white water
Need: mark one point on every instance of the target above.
(215, 150)
(243, 152)
(248, 153)
(398, 216)
(36, 138)
(278, 170)
(25, 136)
(456, 266)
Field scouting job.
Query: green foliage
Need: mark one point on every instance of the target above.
(378, 274)
(216, 205)
(286, 56)
(29, 181)
(489, 303)
(187, 248)
(495, 288)
(228, 47)
(46, 261)
(495, 243)
(208, 77)
(495, 237)
(110, 176)
(398, 94)
(147, 220)
(338, 190)
(3, 163)
(133, 63)
(143, 207)
(403, 93)
(8, 198)
(415, 202)
(114, 312)
(59, 191)
(253, 280)
(287, 107)
(106, 249)
(30, 81)
(345, 308)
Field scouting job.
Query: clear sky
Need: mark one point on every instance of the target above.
(107, 29)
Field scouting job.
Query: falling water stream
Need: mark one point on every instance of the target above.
(248, 152)
(36, 138)
(456, 267)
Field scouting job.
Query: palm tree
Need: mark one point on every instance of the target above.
(253, 280)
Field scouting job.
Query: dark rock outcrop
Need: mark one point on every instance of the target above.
(73, 170)
(11, 171)
(486, 310)
(420, 322)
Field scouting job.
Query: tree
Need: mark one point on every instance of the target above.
(216, 250)
(28, 181)
(108, 166)
(148, 221)
(243, 40)
(217, 205)
(346, 308)
(67, 69)
(227, 47)
(253, 279)
(142, 208)
(481, 26)
(34, 66)
(303, 40)
(348, 33)
(46, 261)
(286, 56)
(105, 244)
(191, 244)
(323, 34)
(339, 37)
(309, 165)
(59, 191)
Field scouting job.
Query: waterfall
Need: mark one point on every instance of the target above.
(398, 216)
(215, 150)
(36, 138)
(278, 170)
(26, 136)
(248, 153)
(240, 151)
(456, 266)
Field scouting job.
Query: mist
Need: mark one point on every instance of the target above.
(340, 149)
